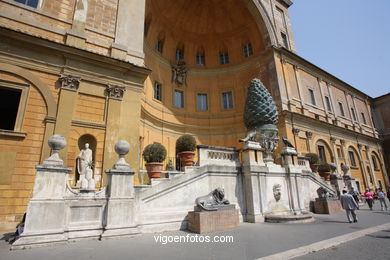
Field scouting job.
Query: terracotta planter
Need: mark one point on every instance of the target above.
(325, 175)
(154, 169)
(187, 158)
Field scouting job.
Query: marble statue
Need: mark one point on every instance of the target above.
(213, 201)
(84, 166)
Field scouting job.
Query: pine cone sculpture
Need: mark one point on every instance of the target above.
(260, 108)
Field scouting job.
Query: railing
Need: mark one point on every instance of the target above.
(303, 162)
(218, 155)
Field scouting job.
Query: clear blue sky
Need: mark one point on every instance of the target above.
(347, 38)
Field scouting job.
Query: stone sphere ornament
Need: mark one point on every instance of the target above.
(122, 148)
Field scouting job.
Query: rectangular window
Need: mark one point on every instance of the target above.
(157, 91)
(339, 153)
(200, 60)
(352, 158)
(285, 40)
(247, 49)
(328, 105)
(341, 109)
(353, 114)
(179, 54)
(202, 102)
(364, 118)
(178, 99)
(375, 163)
(227, 100)
(224, 58)
(321, 153)
(159, 46)
(312, 97)
(13, 99)
(31, 3)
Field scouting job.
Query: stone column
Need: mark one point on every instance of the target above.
(254, 181)
(309, 136)
(363, 166)
(66, 105)
(113, 123)
(46, 211)
(120, 219)
(336, 156)
(129, 35)
(76, 35)
(371, 164)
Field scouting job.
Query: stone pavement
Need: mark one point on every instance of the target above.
(251, 241)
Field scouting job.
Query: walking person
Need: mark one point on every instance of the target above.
(349, 204)
(369, 198)
(382, 200)
(355, 195)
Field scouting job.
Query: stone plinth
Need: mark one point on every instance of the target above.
(211, 221)
(327, 206)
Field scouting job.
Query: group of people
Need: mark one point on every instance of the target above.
(350, 201)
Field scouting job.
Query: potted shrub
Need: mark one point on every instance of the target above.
(185, 148)
(154, 155)
(313, 160)
(324, 169)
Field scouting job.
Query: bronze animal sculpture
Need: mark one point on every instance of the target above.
(212, 200)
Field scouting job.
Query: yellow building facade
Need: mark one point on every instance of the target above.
(100, 71)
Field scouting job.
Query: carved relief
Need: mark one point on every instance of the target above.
(69, 82)
(309, 134)
(115, 92)
(179, 73)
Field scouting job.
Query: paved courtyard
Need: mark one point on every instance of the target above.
(251, 241)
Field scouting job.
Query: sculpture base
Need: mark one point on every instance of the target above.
(216, 207)
(327, 206)
(211, 221)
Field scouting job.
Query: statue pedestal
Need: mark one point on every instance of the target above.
(327, 206)
(211, 221)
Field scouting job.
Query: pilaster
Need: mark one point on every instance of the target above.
(66, 105)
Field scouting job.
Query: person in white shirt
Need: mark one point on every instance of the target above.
(382, 200)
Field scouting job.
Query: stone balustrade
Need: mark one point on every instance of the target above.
(218, 156)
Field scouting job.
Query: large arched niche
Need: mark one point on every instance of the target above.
(206, 27)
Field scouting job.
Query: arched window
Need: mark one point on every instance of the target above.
(160, 42)
(200, 57)
(179, 55)
(247, 49)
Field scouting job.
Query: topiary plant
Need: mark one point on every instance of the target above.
(324, 167)
(313, 158)
(185, 143)
(154, 153)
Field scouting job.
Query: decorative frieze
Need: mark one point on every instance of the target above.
(69, 82)
(115, 92)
